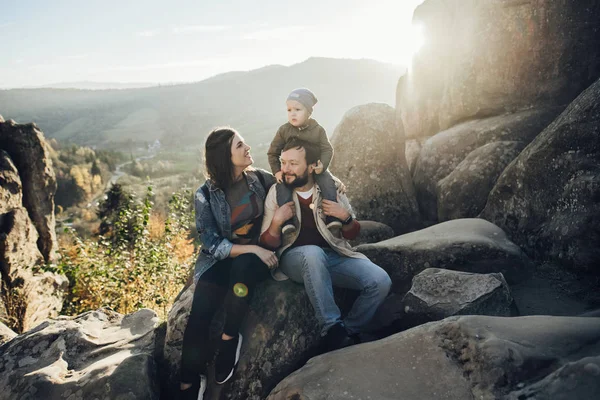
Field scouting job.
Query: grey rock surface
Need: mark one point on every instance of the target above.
(413, 149)
(442, 153)
(464, 192)
(460, 358)
(547, 199)
(6, 334)
(280, 334)
(369, 158)
(486, 58)
(97, 355)
(439, 293)
(26, 146)
(31, 295)
(468, 245)
(372, 232)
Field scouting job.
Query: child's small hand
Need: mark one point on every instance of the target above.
(319, 167)
(279, 176)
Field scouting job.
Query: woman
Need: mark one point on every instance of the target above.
(229, 210)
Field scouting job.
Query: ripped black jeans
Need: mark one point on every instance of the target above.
(232, 281)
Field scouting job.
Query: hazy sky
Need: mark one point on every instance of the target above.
(46, 42)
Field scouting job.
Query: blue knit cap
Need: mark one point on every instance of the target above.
(304, 97)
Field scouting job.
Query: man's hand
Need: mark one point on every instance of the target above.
(279, 176)
(333, 209)
(283, 213)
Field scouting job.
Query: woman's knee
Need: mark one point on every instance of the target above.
(244, 269)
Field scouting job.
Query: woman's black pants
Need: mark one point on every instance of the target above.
(231, 280)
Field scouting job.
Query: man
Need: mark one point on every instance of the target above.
(317, 257)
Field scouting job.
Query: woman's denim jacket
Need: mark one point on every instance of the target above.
(213, 219)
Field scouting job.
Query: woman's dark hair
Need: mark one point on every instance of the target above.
(217, 156)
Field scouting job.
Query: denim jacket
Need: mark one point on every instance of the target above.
(213, 219)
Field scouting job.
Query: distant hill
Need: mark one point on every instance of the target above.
(180, 115)
(88, 85)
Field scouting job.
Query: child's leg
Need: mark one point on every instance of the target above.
(329, 192)
(284, 195)
(327, 185)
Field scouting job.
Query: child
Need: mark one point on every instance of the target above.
(300, 104)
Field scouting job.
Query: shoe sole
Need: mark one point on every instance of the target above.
(237, 358)
(288, 230)
(334, 224)
(203, 384)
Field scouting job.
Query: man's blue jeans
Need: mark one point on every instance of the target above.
(320, 269)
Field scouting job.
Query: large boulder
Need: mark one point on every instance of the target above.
(413, 149)
(484, 58)
(369, 158)
(96, 355)
(439, 293)
(547, 199)
(467, 357)
(31, 155)
(372, 232)
(280, 334)
(442, 153)
(33, 296)
(464, 192)
(468, 245)
(18, 236)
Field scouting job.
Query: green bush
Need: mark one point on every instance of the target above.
(143, 260)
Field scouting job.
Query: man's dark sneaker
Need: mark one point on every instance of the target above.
(288, 229)
(227, 359)
(196, 391)
(336, 338)
(332, 222)
(334, 225)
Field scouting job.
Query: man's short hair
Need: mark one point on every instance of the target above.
(312, 151)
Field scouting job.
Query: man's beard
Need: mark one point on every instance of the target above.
(298, 182)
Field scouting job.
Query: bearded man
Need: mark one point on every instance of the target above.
(317, 257)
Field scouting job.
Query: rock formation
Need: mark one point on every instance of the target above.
(439, 293)
(468, 245)
(372, 232)
(29, 151)
(547, 199)
(96, 355)
(459, 358)
(444, 152)
(370, 158)
(487, 58)
(280, 334)
(30, 296)
(464, 192)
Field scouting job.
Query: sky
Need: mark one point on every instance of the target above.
(46, 42)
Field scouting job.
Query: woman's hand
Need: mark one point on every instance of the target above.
(267, 256)
(283, 213)
(333, 209)
(279, 176)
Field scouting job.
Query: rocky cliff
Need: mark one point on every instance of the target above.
(27, 237)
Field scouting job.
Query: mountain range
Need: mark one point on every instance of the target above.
(180, 115)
